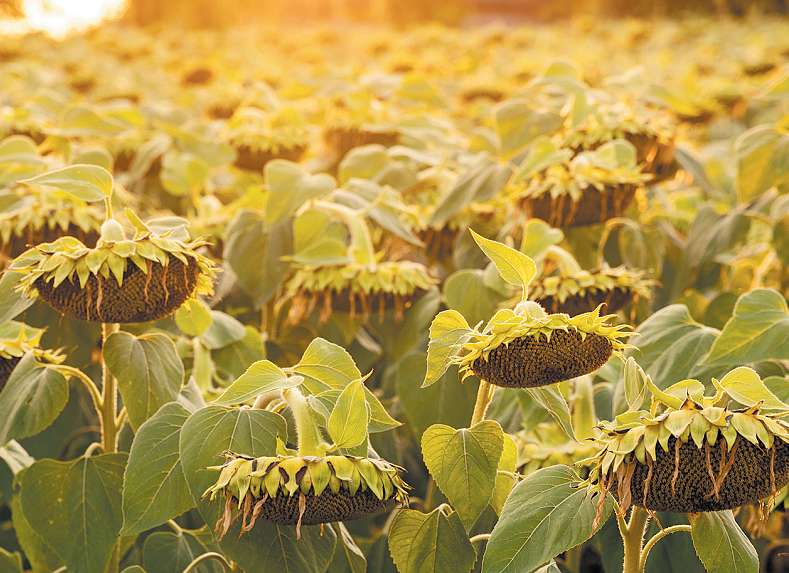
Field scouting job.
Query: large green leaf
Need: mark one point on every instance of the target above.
(348, 558)
(193, 317)
(515, 267)
(38, 552)
(268, 548)
(234, 359)
(183, 174)
(32, 399)
(483, 179)
(448, 332)
(262, 376)
(506, 477)
(167, 552)
(12, 301)
(545, 515)
(762, 161)
(76, 507)
(347, 424)
(670, 346)
(254, 251)
(721, 544)
(552, 401)
(445, 403)
(289, 187)
(464, 462)
(746, 386)
(148, 369)
(518, 124)
(326, 365)
(758, 330)
(432, 542)
(538, 236)
(223, 330)
(86, 182)
(467, 292)
(154, 488)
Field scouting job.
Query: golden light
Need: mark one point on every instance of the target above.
(59, 17)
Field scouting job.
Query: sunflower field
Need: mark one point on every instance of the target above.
(496, 299)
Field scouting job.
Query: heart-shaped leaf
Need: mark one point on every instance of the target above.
(87, 182)
(432, 542)
(464, 463)
(149, 372)
(76, 507)
(154, 487)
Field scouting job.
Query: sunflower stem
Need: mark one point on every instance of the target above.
(633, 539)
(207, 557)
(484, 397)
(109, 398)
(657, 537)
(307, 434)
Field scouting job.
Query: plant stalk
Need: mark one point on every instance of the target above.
(657, 537)
(484, 397)
(633, 539)
(307, 434)
(109, 398)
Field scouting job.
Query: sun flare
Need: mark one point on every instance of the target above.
(59, 17)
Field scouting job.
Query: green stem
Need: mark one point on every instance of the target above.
(208, 557)
(177, 529)
(484, 397)
(657, 537)
(308, 436)
(89, 384)
(109, 398)
(479, 538)
(108, 207)
(633, 538)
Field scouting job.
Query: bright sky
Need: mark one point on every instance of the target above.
(58, 17)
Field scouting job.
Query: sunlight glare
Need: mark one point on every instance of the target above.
(59, 17)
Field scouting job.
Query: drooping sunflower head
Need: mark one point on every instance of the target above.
(120, 279)
(36, 217)
(358, 289)
(277, 132)
(693, 453)
(304, 490)
(16, 339)
(584, 290)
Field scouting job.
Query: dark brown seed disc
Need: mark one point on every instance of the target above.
(749, 480)
(593, 207)
(7, 366)
(342, 140)
(18, 245)
(587, 301)
(656, 158)
(141, 297)
(256, 159)
(327, 507)
(530, 361)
